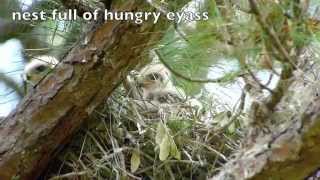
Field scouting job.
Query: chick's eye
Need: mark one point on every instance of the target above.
(154, 76)
(28, 77)
(41, 68)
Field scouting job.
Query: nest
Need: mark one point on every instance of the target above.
(124, 140)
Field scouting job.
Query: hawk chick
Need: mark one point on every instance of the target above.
(169, 95)
(152, 78)
(38, 67)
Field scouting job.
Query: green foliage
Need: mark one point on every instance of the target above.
(178, 126)
(235, 36)
(166, 143)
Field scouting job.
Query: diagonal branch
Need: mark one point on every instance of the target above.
(11, 84)
(56, 108)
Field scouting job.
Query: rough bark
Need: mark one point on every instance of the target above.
(47, 117)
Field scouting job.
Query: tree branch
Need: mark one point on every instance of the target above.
(11, 84)
(56, 108)
(179, 75)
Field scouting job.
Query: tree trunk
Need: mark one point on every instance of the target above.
(48, 116)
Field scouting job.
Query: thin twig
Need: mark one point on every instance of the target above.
(69, 175)
(258, 82)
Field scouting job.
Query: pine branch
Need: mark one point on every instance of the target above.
(179, 75)
(12, 84)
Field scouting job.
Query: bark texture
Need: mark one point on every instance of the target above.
(48, 116)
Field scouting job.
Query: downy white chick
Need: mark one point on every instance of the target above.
(38, 67)
(168, 95)
(152, 78)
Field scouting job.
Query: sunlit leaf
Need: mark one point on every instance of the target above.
(174, 152)
(165, 148)
(161, 132)
(135, 161)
